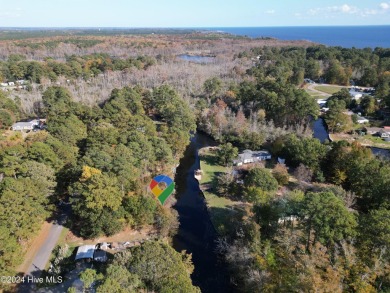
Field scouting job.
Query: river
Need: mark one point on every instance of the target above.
(196, 233)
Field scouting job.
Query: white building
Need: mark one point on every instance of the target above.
(249, 156)
(30, 125)
(85, 251)
(362, 120)
(356, 95)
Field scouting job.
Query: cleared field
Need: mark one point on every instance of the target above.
(316, 95)
(367, 140)
(328, 89)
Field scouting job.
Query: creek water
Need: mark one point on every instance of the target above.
(196, 233)
(319, 130)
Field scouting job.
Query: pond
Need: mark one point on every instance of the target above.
(197, 58)
(381, 152)
(319, 130)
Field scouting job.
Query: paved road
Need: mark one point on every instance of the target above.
(42, 257)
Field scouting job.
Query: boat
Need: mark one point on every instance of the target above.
(198, 174)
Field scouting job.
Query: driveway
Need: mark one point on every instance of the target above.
(43, 255)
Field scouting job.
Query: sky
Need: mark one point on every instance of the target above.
(191, 13)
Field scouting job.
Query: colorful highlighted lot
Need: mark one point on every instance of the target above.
(162, 193)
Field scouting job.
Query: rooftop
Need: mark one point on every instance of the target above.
(85, 251)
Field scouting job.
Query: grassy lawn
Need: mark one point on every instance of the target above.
(222, 210)
(319, 97)
(367, 140)
(374, 138)
(209, 166)
(328, 89)
(315, 95)
(375, 141)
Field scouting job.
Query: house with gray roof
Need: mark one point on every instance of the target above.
(36, 124)
(30, 125)
(249, 156)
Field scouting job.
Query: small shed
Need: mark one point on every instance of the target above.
(383, 133)
(104, 245)
(85, 251)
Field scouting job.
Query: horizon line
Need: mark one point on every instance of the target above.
(181, 27)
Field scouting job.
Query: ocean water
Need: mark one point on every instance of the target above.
(344, 36)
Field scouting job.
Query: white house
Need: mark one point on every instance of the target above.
(321, 103)
(362, 120)
(30, 125)
(249, 156)
(355, 94)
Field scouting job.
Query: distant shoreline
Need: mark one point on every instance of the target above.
(345, 36)
(367, 36)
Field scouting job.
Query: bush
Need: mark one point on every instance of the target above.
(281, 174)
(6, 119)
(261, 178)
(226, 153)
